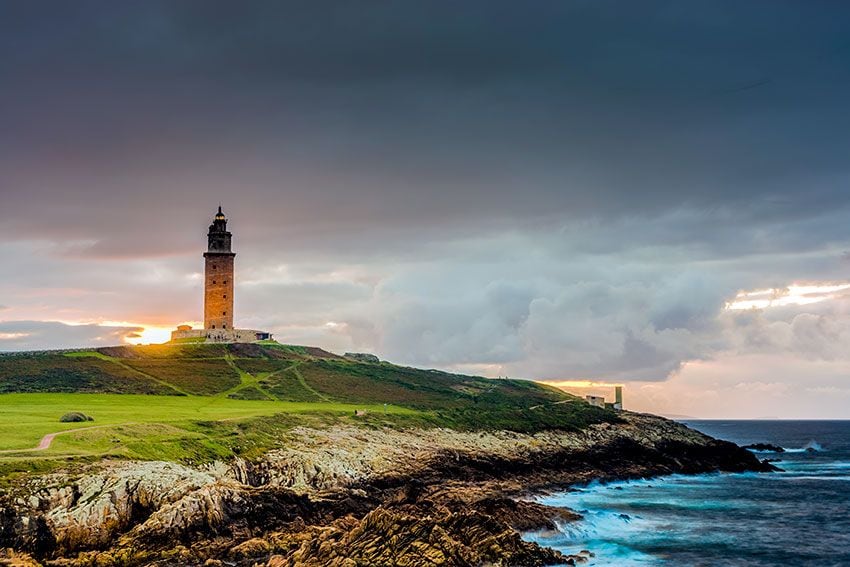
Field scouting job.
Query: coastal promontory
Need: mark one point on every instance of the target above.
(267, 454)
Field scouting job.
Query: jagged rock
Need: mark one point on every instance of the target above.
(387, 537)
(100, 507)
(276, 561)
(11, 558)
(334, 495)
(525, 516)
(252, 548)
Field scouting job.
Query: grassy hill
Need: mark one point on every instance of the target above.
(204, 401)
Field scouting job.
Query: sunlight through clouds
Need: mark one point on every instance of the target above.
(792, 295)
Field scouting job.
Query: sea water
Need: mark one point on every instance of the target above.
(800, 516)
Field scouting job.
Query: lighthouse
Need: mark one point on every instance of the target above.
(218, 275)
(218, 293)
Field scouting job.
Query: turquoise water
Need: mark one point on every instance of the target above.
(800, 516)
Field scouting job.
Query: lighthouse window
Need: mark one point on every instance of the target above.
(224, 312)
(225, 296)
(213, 326)
(224, 326)
(213, 281)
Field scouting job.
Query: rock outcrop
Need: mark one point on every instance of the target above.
(348, 496)
(396, 537)
(362, 357)
(765, 447)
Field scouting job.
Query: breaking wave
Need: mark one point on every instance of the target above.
(810, 447)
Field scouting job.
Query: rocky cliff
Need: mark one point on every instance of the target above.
(346, 495)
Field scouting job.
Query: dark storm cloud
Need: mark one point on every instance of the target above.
(329, 118)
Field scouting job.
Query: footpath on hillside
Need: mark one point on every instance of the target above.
(48, 439)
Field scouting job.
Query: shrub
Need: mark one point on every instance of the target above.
(75, 416)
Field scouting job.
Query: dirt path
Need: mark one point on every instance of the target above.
(48, 439)
(129, 368)
(307, 386)
(551, 404)
(248, 380)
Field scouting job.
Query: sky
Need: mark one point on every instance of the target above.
(588, 193)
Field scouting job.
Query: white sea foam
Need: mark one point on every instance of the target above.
(606, 533)
(808, 447)
(820, 478)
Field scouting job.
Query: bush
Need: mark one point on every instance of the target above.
(75, 416)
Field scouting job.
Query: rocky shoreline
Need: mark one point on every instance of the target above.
(346, 496)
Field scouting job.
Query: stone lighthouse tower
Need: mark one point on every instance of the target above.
(218, 276)
(218, 294)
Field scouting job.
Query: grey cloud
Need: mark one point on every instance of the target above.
(333, 119)
(37, 335)
(449, 328)
(817, 331)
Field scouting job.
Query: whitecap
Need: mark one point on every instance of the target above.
(807, 448)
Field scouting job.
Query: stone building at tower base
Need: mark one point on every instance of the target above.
(184, 333)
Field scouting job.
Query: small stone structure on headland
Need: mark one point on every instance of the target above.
(218, 293)
(599, 401)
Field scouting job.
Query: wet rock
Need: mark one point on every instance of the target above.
(764, 447)
(525, 516)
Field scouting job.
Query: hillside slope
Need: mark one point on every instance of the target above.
(297, 374)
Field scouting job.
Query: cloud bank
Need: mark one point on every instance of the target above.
(573, 191)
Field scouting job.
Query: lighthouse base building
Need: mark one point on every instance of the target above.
(185, 333)
(218, 293)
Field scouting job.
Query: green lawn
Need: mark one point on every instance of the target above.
(26, 418)
(199, 402)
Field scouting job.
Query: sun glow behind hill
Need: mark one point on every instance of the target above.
(149, 334)
(565, 384)
(585, 387)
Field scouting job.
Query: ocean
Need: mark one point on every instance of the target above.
(797, 517)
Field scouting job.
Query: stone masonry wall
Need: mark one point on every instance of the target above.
(218, 291)
(221, 335)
